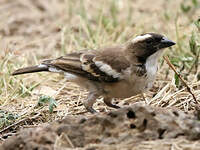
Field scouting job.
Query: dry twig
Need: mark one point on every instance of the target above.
(180, 77)
(18, 122)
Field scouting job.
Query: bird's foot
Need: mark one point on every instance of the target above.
(111, 105)
(91, 110)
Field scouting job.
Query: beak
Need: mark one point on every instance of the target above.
(166, 43)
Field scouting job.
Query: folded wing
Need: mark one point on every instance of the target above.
(94, 65)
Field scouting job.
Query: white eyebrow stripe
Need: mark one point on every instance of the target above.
(141, 38)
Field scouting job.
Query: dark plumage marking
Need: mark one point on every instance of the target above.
(29, 70)
(80, 65)
(145, 48)
(140, 70)
(95, 73)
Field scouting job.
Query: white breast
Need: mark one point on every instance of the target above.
(151, 67)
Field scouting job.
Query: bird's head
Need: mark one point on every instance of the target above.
(146, 45)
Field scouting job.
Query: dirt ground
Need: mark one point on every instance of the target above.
(136, 127)
(34, 30)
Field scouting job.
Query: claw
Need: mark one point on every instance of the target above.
(91, 110)
(108, 103)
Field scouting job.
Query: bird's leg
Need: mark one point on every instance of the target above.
(107, 101)
(144, 98)
(91, 99)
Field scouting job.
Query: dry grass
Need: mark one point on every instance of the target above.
(33, 30)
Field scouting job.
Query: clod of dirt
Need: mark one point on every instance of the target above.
(129, 128)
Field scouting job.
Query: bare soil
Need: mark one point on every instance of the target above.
(34, 30)
(134, 127)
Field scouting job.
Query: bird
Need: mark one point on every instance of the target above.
(110, 72)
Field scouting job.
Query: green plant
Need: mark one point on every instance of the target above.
(47, 99)
(7, 118)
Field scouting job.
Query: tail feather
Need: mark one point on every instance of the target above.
(31, 69)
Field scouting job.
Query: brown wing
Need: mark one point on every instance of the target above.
(113, 57)
(95, 65)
